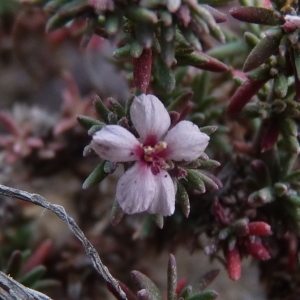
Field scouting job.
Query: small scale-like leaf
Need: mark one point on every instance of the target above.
(167, 51)
(187, 292)
(293, 199)
(257, 15)
(14, 264)
(262, 51)
(31, 277)
(136, 49)
(145, 295)
(209, 129)
(117, 107)
(194, 179)
(94, 129)
(243, 95)
(141, 14)
(263, 72)
(270, 135)
(280, 85)
(142, 67)
(230, 49)
(165, 76)
(181, 101)
(144, 32)
(158, 220)
(172, 278)
(143, 282)
(116, 214)
(96, 176)
(101, 109)
(217, 15)
(46, 284)
(297, 62)
(206, 295)
(207, 164)
(88, 122)
(183, 199)
(261, 197)
(196, 59)
(251, 39)
(207, 279)
(112, 23)
(234, 267)
(122, 52)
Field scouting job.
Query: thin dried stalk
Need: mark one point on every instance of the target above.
(13, 290)
(61, 213)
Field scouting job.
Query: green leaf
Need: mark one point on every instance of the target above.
(206, 295)
(35, 274)
(183, 199)
(143, 282)
(165, 76)
(116, 214)
(194, 179)
(262, 51)
(101, 109)
(96, 176)
(172, 278)
(88, 122)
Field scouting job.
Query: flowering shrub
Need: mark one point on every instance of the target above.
(203, 153)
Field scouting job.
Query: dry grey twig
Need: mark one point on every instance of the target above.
(61, 213)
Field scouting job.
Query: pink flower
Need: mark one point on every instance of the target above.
(147, 186)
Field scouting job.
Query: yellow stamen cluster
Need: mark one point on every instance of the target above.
(148, 150)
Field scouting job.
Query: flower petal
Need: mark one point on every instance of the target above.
(149, 117)
(185, 141)
(139, 190)
(116, 144)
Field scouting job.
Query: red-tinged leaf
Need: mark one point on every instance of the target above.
(234, 268)
(128, 292)
(183, 14)
(243, 147)
(174, 115)
(63, 126)
(259, 228)
(208, 278)
(142, 70)
(71, 94)
(257, 250)
(181, 283)
(143, 282)
(292, 250)
(6, 140)
(9, 123)
(243, 95)
(34, 142)
(218, 16)
(219, 213)
(259, 167)
(297, 80)
(270, 136)
(257, 15)
(213, 64)
(39, 256)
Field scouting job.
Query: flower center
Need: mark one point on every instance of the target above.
(155, 156)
